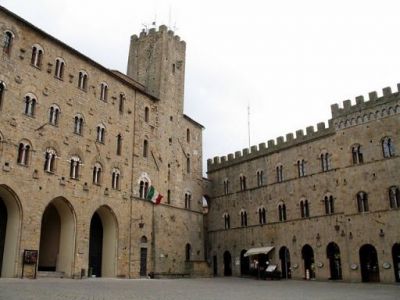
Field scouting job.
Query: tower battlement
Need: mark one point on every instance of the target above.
(154, 33)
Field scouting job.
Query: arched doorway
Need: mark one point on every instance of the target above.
(103, 243)
(335, 266)
(369, 264)
(244, 263)
(188, 251)
(10, 228)
(57, 238)
(396, 261)
(215, 266)
(143, 256)
(284, 256)
(307, 254)
(227, 264)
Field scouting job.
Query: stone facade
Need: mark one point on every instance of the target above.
(330, 198)
(126, 133)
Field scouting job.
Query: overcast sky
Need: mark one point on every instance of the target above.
(289, 60)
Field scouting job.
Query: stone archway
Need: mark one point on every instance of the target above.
(10, 230)
(335, 266)
(57, 238)
(308, 257)
(227, 264)
(284, 256)
(244, 263)
(369, 263)
(103, 243)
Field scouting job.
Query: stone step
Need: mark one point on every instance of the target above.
(49, 274)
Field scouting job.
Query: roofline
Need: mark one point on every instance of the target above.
(193, 121)
(134, 84)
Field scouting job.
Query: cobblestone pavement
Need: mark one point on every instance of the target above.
(177, 289)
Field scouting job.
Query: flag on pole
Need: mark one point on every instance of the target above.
(153, 195)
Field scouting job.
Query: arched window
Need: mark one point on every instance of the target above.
(226, 186)
(145, 148)
(169, 196)
(282, 212)
(146, 114)
(119, 144)
(188, 200)
(227, 221)
(103, 91)
(82, 80)
(301, 168)
(74, 167)
(188, 164)
(188, 250)
(2, 89)
(59, 71)
(394, 197)
(115, 182)
(30, 105)
(143, 188)
(121, 103)
(387, 147)
(242, 180)
(243, 218)
(262, 218)
(8, 41)
(329, 204)
(23, 153)
(78, 124)
(54, 113)
(97, 170)
(304, 208)
(50, 160)
(101, 130)
(188, 135)
(260, 177)
(37, 56)
(357, 154)
(279, 173)
(325, 163)
(362, 202)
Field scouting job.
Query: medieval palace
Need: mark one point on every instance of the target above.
(82, 146)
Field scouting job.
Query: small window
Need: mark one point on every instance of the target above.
(394, 197)
(188, 167)
(357, 154)
(387, 147)
(325, 162)
(188, 135)
(59, 71)
(188, 200)
(282, 212)
(169, 196)
(37, 56)
(146, 114)
(74, 167)
(362, 202)
(54, 114)
(78, 124)
(260, 178)
(121, 103)
(329, 205)
(173, 68)
(23, 153)
(2, 91)
(143, 188)
(119, 144)
(226, 186)
(97, 173)
(243, 218)
(227, 221)
(145, 148)
(115, 180)
(100, 133)
(103, 91)
(242, 181)
(279, 173)
(50, 160)
(82, 80)
(262, 218)
(301, 169)
(7, 42)
(30, 105)
(304, 209)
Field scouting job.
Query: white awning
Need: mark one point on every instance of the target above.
(260, 250)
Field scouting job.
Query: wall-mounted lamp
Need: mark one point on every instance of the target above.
(350, 236)
(318, 237)
(141, 223)
(381, 233)
(294, 239)
(342, 233)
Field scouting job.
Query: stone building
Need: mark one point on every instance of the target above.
(322, 204)
(80, 147)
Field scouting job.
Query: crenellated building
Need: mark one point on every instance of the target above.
(323, 204)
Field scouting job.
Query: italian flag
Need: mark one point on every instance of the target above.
(153, 195)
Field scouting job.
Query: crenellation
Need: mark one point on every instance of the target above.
(254, 149)
(387, 91)
(271, 144)
(152, 30)
(280, 140)
(216, 160)
(359, 100)
(262, 146)
(309, 130)
(162, 28)
(299, 134)
(230, 157)
(170, 33)
(320, 126)
(373, 96)
(346, 105)
(223, 159)
(143, 33)
(289, 137)
(238, 154)
(246, 151)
